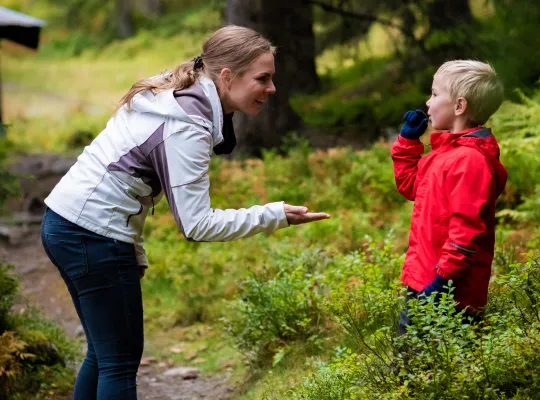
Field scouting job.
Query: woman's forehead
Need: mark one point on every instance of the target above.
(263, 63)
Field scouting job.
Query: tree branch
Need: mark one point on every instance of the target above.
(354, 15)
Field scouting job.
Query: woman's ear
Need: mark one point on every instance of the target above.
(460, 106)
(225, 76)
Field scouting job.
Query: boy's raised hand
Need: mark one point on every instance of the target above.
(415, 125)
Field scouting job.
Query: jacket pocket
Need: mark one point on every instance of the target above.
(69, 253)
(440, 230)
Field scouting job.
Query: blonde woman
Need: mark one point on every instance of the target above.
(159, 141)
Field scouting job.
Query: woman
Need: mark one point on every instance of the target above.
(158, 142)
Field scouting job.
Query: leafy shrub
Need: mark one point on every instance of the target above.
(516, 126)
(34, 352)
(273, 311)
(9, 184)
(444, 355)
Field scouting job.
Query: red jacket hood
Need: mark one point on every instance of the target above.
(479, 138)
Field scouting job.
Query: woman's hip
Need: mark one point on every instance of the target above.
(79, 253)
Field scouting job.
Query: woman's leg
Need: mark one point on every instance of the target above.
(104, 276)
(87, 377)
(114, 315)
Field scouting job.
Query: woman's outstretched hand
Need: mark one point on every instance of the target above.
(297, 215)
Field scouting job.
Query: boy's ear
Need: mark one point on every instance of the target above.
(460, 106)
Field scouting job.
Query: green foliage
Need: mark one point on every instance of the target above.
(345, 296)
(9, 287)
(93, 26)
(34, 352)
(336, 381)
(369, 98)
(9, 183)
(510, 40)
(516, 126)
(274, 311)
(444, 355)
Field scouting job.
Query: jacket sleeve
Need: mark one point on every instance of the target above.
(470, 188)
(406, 154)
(184, 165)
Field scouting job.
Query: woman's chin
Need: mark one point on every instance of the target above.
(253, 111)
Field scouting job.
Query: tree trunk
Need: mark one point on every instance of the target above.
(288, 24)
(124, 18)
(150, 8)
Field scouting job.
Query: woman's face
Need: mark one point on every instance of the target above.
(248, 92)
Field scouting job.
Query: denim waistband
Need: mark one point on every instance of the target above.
(51, 220)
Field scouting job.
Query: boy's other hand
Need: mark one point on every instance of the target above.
(438, 286)
(415, 125)
(297, 215)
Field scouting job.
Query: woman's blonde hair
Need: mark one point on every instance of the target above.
(478, 83)
(232, 47)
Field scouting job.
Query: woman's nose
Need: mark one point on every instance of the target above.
(271, 89)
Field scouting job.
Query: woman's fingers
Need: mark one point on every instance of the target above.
(297, 215)
(295, 209)
(316, 216)
(297, 219)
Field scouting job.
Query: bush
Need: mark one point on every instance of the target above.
(273, 311)
(443, 355)
(9, 183)
(34, 352)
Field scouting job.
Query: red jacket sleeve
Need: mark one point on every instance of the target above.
(470, 188)
(406, 154)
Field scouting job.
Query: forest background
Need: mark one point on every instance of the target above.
(309, 312)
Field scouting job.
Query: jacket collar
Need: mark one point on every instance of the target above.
(209, 88)
(478, 138)
(438, 139)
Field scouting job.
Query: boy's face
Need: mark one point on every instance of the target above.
(441, 107)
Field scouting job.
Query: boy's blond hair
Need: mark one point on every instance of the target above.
(478, 83)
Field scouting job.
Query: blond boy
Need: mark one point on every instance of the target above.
(454, 187)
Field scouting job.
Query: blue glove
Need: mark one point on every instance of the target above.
(436, 286)
(415, 124)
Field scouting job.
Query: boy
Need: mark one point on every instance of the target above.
(454, 187)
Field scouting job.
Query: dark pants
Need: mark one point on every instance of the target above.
(404, 320)
(102, 277)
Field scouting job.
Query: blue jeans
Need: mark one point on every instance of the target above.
(102, 277)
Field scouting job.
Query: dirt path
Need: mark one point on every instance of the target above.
(41, 285)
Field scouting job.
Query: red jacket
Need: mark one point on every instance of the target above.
(454, 189)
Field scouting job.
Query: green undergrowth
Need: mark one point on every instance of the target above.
(37, 361)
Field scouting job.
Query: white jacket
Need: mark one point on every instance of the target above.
(163, 145)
